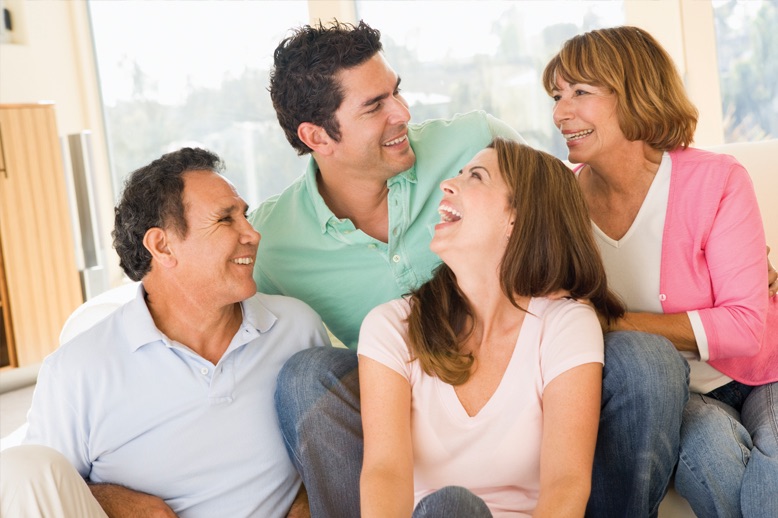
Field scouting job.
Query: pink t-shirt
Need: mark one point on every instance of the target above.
(496, 453)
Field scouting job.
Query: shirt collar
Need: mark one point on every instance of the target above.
(140, 327)
(323, 213)
(256, 315)
(142, 330)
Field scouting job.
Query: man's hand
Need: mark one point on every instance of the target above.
(300, 507)
(120, 502)
(772, 276)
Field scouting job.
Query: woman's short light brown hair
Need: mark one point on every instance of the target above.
(652, 104)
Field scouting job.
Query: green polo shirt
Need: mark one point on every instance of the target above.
(308, 253)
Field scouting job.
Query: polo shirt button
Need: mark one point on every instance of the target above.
(396, 258)
(204, 371)
(662, 297)
(371, 246)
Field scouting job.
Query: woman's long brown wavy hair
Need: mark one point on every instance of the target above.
(551, 248)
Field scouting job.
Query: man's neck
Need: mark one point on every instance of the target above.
(363, 202)
(205, 330)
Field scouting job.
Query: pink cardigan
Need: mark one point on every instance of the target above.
(713, 260)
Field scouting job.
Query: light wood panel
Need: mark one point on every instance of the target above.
(41, 276)
(7, 348)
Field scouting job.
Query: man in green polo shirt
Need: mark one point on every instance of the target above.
(354, 232)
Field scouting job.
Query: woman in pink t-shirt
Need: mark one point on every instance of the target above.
(480, 392)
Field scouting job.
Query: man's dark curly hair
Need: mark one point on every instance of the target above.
(153, 197)
(303, 85)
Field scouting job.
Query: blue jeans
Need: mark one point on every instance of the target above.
(645, 387)
(451, 502)
(728, 463)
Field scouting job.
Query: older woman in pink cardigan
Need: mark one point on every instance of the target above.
(683, 245)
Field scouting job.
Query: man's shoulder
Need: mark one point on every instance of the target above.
(100, 343)
(284, 307)
(468, 119)
(282, 205)
(464, 132)
(291, 318)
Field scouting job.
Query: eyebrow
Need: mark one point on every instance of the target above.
(230, 209)
(379, 98)
(482, 168)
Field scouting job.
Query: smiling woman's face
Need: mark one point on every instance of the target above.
(586, 115)
(475, 216)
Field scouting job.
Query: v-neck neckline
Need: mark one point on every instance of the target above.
(451, 400)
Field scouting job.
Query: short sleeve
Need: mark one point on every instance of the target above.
(53, 420)
(571, 336)
(383, 336)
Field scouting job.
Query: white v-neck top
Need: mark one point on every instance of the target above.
(633, 262)
(633, 265)
(496, 453)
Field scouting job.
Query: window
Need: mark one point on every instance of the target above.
(483, 55)
(746, 43)
(176, 73)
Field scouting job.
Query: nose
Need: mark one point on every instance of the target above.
(448, 186)
(561, 112)
(248, 234)
(401, 114)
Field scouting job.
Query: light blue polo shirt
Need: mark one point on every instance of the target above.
(308, 253)
(128, 406)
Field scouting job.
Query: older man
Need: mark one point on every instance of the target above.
(166, 406)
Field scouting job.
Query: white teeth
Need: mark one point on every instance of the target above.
(243, 260)
(573, 136)
(396, 141)
(448, 214)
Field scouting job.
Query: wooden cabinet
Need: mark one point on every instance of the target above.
(40, 283)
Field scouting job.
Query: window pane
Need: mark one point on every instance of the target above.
(177, 73)
(483, 55)
(747, 47)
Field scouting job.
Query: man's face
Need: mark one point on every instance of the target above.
(215, 261)
(373, 119)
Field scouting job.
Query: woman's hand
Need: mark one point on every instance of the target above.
(772, 276)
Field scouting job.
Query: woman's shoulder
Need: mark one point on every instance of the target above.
(698, 160)
(395, 309)
(558, 307)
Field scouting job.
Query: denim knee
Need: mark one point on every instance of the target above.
(453, 502)
(647, 364)
(308, 373)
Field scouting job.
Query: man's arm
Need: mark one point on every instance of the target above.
(120, 502)
(300, 508)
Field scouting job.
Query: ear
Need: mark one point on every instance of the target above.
(156, 242)
(315, 137)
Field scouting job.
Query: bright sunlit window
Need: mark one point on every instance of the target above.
(178, 73)
(483, 55)
(183, 72)
(747, 47)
